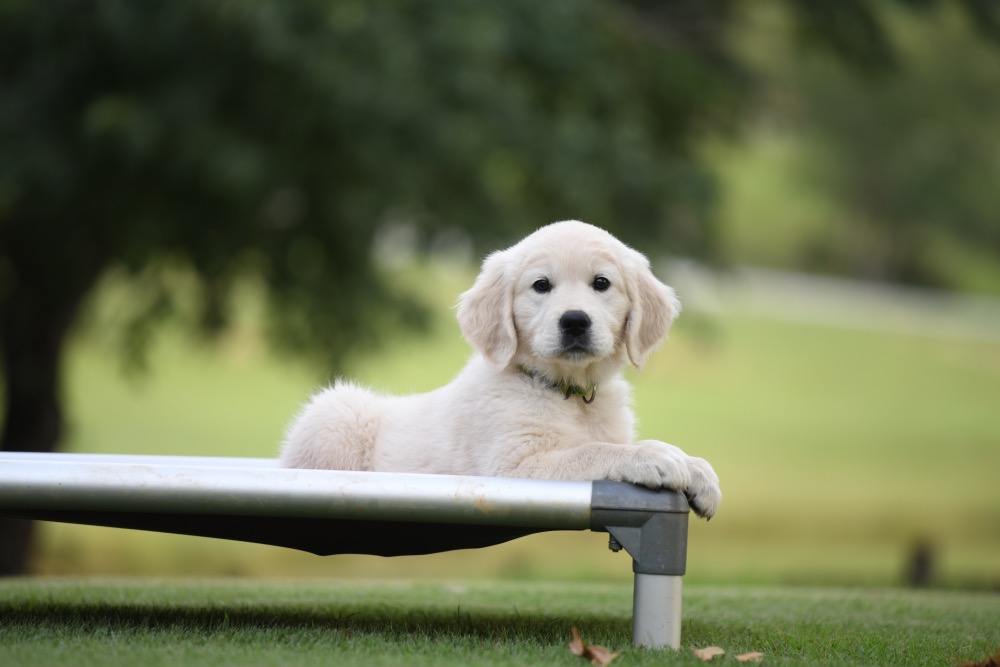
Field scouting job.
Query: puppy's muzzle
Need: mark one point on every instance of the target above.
(574, 325)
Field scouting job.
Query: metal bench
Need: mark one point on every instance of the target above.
(336, 512)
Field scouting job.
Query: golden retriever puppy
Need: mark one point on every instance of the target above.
(553, 320)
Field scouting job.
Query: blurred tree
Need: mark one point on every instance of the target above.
(903, 135)
(273, 138)
(914, 157)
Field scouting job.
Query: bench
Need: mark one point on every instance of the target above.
(329, 512)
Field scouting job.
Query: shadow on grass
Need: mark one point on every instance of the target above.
(383, 623)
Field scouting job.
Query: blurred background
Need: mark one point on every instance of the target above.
(210, 209)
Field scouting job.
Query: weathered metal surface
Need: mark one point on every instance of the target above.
(656, 610)
(258, 487)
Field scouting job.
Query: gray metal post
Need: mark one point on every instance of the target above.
(656, 610)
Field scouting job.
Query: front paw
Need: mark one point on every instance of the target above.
(657, 465)
(703, 491)
(662, 466)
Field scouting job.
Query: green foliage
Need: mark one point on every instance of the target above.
(903, 155)
(914, 157)
(274, 138)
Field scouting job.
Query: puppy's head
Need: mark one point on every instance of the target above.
(568, 298)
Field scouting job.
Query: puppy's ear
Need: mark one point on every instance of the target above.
(486, 311)
(654, 306)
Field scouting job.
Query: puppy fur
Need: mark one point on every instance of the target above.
(553, 320)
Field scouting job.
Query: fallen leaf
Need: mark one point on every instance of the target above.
(596, 654)
(600, 655)
(756, 656)
(576, 646)
(993, 661)
(708, 652)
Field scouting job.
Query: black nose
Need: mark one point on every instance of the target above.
(574, 322)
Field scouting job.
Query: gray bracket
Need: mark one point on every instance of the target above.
(650, 524)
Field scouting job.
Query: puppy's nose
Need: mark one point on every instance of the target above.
(574, 322)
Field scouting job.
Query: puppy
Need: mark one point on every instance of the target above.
(553, 320)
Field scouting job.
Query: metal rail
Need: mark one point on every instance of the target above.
(256, 488)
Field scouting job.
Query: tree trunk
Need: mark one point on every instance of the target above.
(33, 423)
(34, 325)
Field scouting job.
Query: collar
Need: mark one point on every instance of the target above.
(586, 394)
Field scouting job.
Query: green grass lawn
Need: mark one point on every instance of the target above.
(217, 622)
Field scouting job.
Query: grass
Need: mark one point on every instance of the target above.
(216, 622)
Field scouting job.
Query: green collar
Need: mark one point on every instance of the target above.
(587, 395)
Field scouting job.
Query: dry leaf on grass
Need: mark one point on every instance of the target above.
(708, 652)
(756, 656)
(596, 654)
(993, 661)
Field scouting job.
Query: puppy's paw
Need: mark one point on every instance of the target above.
(657, 465)
(703, 491)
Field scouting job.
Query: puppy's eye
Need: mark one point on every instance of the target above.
(542, 285)
(601, 284)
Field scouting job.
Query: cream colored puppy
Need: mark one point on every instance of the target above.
(553, 320)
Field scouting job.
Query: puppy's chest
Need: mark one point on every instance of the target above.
(614, 427)
(603, 420)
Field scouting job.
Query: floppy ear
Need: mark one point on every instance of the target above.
(486, 312)
(653, 309)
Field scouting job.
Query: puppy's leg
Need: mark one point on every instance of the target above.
(337, 430)
(649, 462)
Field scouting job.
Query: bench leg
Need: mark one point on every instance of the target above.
(651, 525)
(656, 611)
